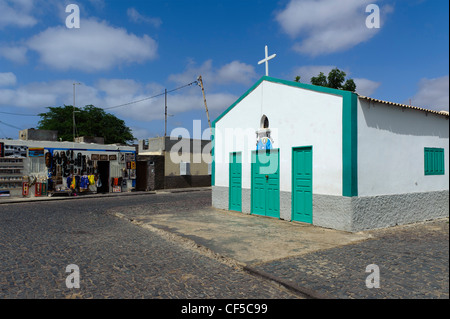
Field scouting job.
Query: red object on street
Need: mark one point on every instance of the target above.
(25, 189)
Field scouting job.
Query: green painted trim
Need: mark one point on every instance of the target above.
(349, 129)
(213, 163)
(350, 145)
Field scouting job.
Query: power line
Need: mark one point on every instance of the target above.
(151, 97)
(17, 128)
(18, 114)
(122, 105)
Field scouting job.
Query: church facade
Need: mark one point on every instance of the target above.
(330, 158)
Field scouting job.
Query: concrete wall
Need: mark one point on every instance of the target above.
(391, 143)
(38, 135)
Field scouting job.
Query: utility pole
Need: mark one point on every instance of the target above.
(200, 81)
(73, 113)
(165, 114)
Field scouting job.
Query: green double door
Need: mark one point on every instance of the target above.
(302, 186)
(266, 183)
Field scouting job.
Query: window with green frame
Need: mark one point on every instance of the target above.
(434, 161)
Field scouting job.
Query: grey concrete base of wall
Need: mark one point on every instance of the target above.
(386, 211)
(355, 214)
(220, 197)
(365, 213)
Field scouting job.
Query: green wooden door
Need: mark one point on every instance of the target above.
(302, 194)
(266, 183)
(235, 194)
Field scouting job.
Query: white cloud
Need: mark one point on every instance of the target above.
(309, 71)
(433, 94)
(8, 79)
(136, 17)
(16, 54)
(366, 87)
(235, 72)
(140, 133)
(96, 46)
(38, 95)
(327, 26)
(363, 86)
(17, 13)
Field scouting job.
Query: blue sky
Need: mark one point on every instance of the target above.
(127, 51)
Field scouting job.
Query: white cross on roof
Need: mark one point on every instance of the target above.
(267, 59)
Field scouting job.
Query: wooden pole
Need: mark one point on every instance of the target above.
(200, 80)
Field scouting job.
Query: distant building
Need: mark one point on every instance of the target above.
(164, 163)
(38, 135)
(90, 140)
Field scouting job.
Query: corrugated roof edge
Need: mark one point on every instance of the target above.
(443, 113)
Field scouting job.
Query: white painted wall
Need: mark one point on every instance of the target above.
(298, 117)
(391, 143)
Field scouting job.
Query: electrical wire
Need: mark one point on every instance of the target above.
(151, 97)
(18, 114)
(122, 105)
(17, 128)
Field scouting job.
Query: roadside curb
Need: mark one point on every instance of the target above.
(304, 292)
(62, 198)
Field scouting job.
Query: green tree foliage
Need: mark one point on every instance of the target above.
(90, 121)
(335, 80)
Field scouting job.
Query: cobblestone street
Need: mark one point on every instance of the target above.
(413, 262)
(116, 259)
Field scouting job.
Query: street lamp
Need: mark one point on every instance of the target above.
(73, 113)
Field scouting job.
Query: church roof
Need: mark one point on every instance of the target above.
(444, 113)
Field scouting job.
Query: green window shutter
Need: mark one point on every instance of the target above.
(434, 161)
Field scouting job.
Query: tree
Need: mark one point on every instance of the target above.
(90, 121)
(335, 80)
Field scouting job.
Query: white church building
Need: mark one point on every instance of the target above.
(330, 158)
